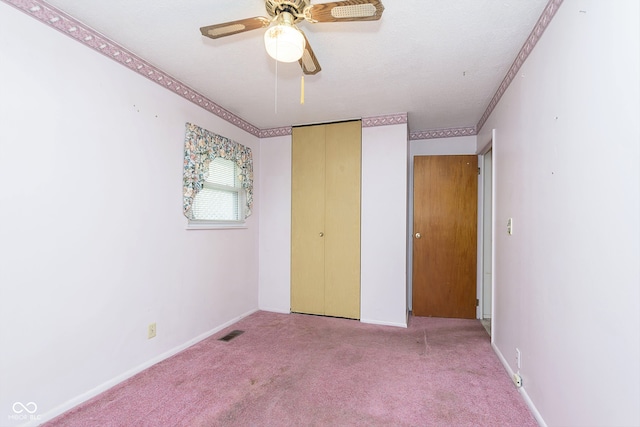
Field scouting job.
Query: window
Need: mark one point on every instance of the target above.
(221, 197)
(217, 182)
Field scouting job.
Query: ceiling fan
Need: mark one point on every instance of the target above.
(283, 40)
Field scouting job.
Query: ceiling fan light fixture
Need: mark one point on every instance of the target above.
(284, 42)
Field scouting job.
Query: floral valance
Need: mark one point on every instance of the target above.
(200, 147)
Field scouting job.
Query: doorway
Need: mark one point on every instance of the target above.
(487, 226)
(445, 212)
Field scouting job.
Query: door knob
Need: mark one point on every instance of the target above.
(321, 234)
(418, 235)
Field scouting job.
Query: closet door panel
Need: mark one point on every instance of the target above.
(307, 220)
(342, 219)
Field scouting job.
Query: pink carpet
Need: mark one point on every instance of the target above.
(298, 370)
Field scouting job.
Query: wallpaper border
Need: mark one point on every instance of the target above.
(64, 23)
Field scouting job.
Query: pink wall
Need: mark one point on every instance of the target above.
(383, 277)
(566, 161)
(92, 237)
(275, 225)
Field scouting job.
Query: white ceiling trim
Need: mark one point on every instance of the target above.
(64, 23)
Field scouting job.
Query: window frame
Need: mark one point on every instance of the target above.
(222, 223)
(202, 147)
(237, 189)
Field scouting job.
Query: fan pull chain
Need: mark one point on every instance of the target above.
(302, 90)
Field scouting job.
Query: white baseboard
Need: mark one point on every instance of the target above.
(522, 390)
(275, 310)
(59, 410)
(383, 323)
(532, 407)
(369, 321)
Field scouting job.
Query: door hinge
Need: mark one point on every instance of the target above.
(477, 302)
(478, 171)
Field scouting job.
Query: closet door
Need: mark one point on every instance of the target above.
(342, 219)
(307, 219)
(325, 220)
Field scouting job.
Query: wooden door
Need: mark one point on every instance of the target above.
(445, 200)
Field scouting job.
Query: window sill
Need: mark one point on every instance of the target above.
(212, 225)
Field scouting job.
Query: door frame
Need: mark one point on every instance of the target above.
(480, 148)
(483, 148)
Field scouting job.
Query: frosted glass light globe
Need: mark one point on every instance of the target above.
(284, 43)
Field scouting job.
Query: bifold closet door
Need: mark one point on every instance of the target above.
(307, 219)
(342, 219)
(325, 220)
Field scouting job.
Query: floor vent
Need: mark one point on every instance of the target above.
(231, 335)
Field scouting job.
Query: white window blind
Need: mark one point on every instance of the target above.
(221, 198)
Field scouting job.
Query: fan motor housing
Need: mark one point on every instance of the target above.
(294, 7)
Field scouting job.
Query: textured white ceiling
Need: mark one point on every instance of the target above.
(439, 61)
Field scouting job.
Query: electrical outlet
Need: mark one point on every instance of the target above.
(517, 380)
(151, 330)
(518, 358)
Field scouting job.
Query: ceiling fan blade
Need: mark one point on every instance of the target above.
(234, 27)
(309, 62)
(347, 10)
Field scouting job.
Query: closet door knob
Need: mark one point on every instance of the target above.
(321, 234)
(418, 235)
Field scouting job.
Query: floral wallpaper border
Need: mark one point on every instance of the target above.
(68, 25)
